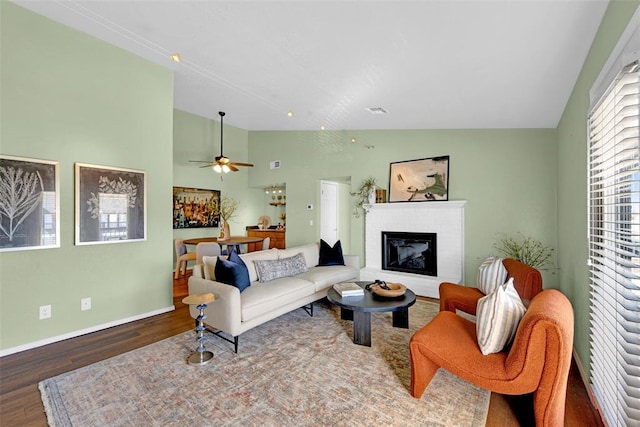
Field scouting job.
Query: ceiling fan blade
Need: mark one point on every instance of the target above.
(199, 161)
(242, 164)
(207, 165)
(232, 167)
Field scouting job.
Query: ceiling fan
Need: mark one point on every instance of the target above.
(222, 163)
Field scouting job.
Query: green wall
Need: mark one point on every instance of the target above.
(572, 175)
(508, 178)
(71, 98)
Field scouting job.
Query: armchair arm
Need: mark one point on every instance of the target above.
(454, 296)
(197, 271)
(225, 313)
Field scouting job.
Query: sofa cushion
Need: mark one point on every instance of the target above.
(325, 276)
(252, 256)
(491, 274)
(232, 272)
(261, 298)
(497, 318)
(285, 267)
(311, 253)
(330, 255)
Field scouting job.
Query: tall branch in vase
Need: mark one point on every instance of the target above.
(228, 208)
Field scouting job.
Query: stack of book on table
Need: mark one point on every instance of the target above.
(348, 289)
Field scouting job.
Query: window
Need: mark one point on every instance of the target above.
(614, 248)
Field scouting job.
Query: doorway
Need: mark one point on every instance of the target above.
(329, 212)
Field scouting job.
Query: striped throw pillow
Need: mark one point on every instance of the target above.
(497, 318)
(491, 274)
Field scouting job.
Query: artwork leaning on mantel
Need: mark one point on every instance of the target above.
(422, 180)
(195, 208)
(29, 204)
(111, 204)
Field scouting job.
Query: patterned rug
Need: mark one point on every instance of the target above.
(295, 370)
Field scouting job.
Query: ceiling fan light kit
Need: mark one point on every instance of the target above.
(222, 164)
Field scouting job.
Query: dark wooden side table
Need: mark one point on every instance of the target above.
(359, 310)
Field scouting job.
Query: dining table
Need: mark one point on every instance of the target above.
(232, 241)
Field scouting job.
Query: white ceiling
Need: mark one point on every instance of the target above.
(431, 64)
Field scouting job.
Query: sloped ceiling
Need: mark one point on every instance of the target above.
(429, 64)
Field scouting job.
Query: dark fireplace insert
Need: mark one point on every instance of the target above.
(410, 252)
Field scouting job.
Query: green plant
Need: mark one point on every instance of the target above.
(228, 207)
(526, 250)
(362, 195)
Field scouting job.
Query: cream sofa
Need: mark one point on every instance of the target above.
(234, 312)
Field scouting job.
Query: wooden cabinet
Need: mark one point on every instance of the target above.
(277, 238)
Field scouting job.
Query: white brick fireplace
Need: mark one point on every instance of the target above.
(446, 219)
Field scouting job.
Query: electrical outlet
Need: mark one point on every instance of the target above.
(85, 304)
(45, 312)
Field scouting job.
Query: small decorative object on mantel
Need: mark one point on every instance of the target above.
(228, 207)
(366, 195)
(419, 180)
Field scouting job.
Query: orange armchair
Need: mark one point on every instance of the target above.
(527, 281)
(538, 361)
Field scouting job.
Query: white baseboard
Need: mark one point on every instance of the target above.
(80, 332)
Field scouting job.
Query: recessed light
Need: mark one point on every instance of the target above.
(175, 57)
(321, 127)
(353, 140)
(290, 113)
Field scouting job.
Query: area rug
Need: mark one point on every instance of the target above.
(295, 370)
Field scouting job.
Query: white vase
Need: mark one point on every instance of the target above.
(225, 231)
(372, 196)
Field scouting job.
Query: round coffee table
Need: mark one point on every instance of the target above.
(359, 310)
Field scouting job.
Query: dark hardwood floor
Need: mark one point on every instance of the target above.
(20, 373)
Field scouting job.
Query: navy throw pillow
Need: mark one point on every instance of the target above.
(233, 273)
(331, 255)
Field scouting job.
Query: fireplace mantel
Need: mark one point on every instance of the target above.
(444, 218)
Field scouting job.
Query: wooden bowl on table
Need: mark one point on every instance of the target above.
(395, 290)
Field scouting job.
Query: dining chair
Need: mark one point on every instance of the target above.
(182, 258)
(265, 243)
(207, 249)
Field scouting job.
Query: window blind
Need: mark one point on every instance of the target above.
(614, 248)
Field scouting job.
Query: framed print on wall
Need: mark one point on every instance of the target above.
(195, 208)
(421, 180)
(111, 205)
(29, 204)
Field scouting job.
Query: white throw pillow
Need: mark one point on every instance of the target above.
(209, 267)
(491, 274)
(497, 317)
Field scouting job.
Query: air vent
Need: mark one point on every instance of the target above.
(377, 110)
